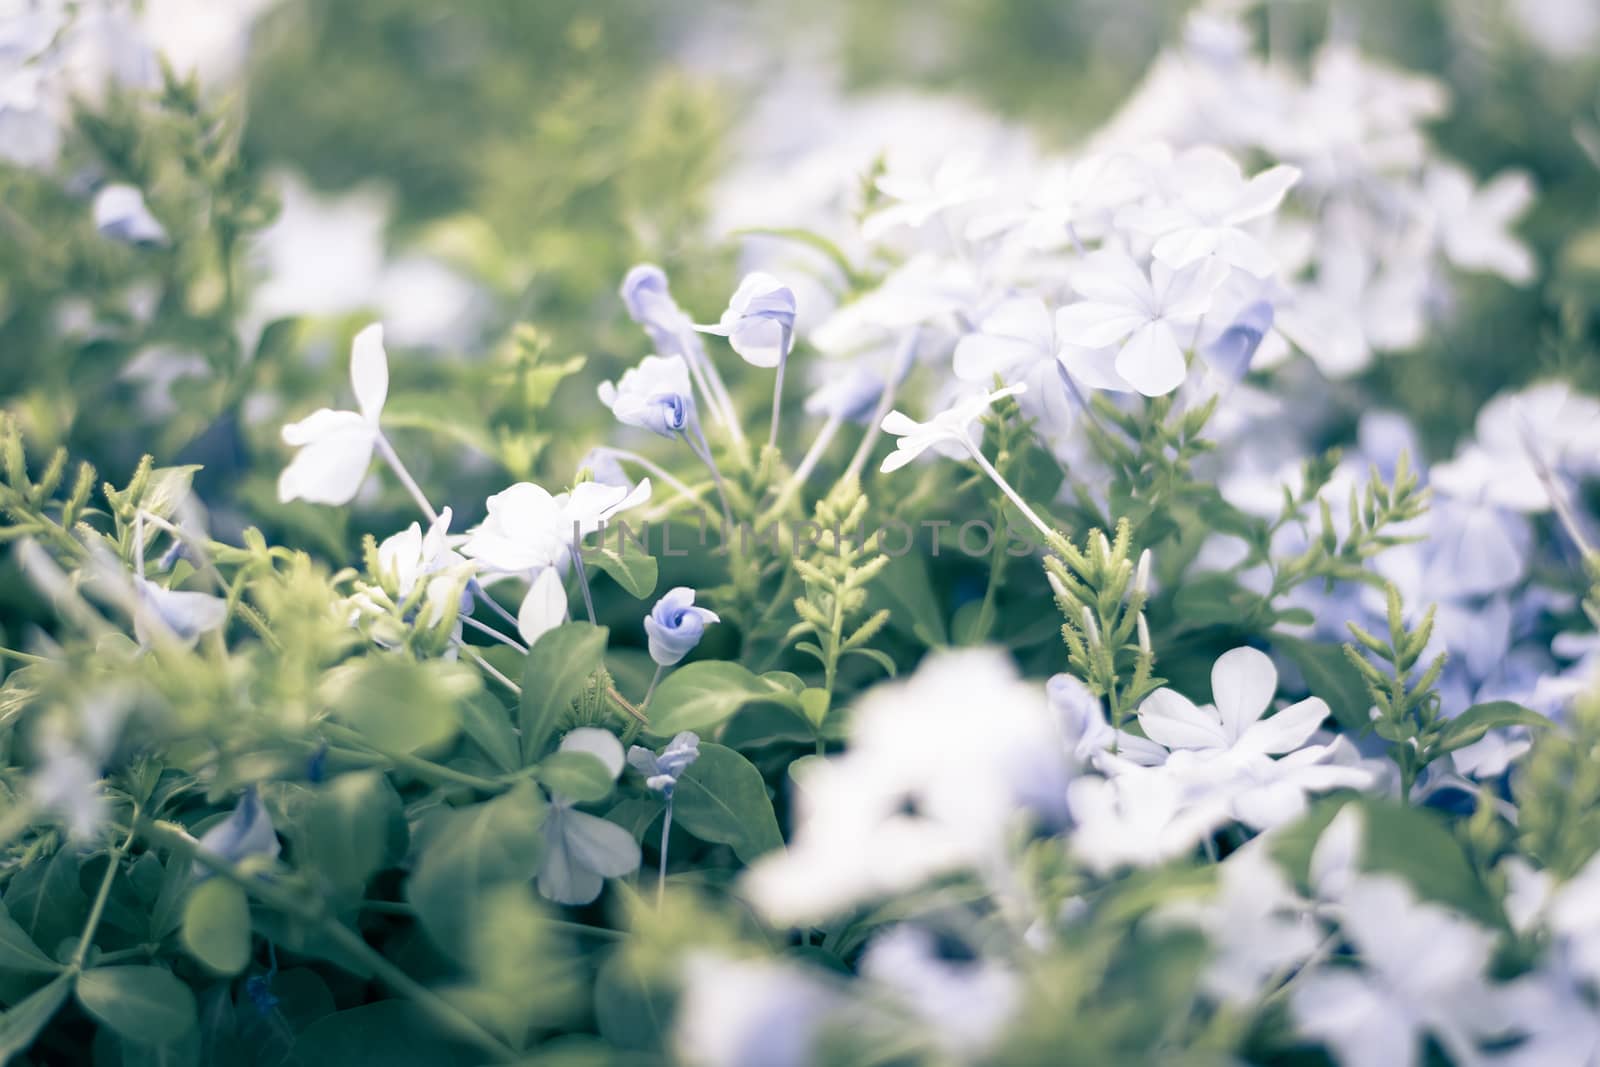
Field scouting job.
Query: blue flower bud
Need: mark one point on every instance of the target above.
(661, 772)
(675, 626)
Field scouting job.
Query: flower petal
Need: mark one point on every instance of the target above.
(1171, 719)
(1151, 360)
(369, 371)
(1242, 684)
(544, 608)
(1287, 730)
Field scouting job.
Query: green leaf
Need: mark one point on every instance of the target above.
(630, 1012)
(1414, 843)
(628, 565)
(579, 776)
(701, 696)
(346, 826)
(1471, 725)
(216, 926)
(390, 1033)
(466, 852)
(1329, 675)
(166, 489)
(17, 950)
(904, 583)
(143, 1004)
(21, 1022)
(722, 798)
(45, 899)
(557, 667)
(882, 658)
(484, 719)
(399, 705)
(1211, 598)
(814, 703)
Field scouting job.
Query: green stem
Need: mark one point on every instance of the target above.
(113, 864)
(438, 773)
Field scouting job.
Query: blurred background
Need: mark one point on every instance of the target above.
(480, 176)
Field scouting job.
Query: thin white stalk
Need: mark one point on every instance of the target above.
(655, 679)
(489, 668)
(490, 631)
(661, 876)
(1005, 487)
(392, 458)
(787, 338)
(902, 363)
(655, 470)
(702, 451)
(583, 583)
(717, 391)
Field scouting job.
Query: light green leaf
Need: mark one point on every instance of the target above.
(628, 565)
(143, 1004)
(557, 667)
(579, 776)
(1471, 725)
(722, 798)
(466, 852)
(216, 926)
(701, 696)
(346, 826)
(399, 705)
(21, 1022)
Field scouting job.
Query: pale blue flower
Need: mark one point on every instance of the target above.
(1230, 354)
(759, 321)
(661, 772)
(675, 626)
(650, 304)
(583, 850)
(120, 214)
(187, 615)
(656, 396)
(246, 832)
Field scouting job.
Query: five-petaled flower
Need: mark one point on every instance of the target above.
(336, 446)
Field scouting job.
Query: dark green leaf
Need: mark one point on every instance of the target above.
(486, 721)
(390, 1033)
(722, 798)
(905, 585)
(1329, 675)
(628, 565)
(346, 826)
(17, 950)
(21, 1022)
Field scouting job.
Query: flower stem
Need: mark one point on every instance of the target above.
(661, 875)
(583, 583)
(86, 939)
(777, 386)
(490, 631)
(902, 363)
(702, 452)
(661, 668)
(1005, 487)
(392, 458)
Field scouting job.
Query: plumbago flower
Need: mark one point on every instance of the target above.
(661, 771)
(246, 832)
(921, 791)
(1151, 317)
(582, 850)
(675, 626)
(951, 427)
(656, 396)
(759, 320)
(531, 534)
(335, 447)
(1224, 749)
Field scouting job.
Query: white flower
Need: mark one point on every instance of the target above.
(186, 615)
(582, 850)
(751, 1013)
(336, 446)
(410, 555)
(67, 783)
(1422, 973)
(1142, 817)
(965, 1004)
(531, 533)
(1018, 342)
(1243, 683)
(924, 788)
(1472, 224)
(1140, 313)
(1258, 927)
(759, 320)
(1088, 731)
(950, 427)
(1211, 202)
(917, 195)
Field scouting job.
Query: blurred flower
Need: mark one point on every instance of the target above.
(1204, 216)
(917, 194)
(1421, 974)
(1139, 818)
(1472, 224)
(246, 832)
(656, 396)
(1087, 730)
(120, 213)
(583, 850)
(187, 615)
(1231, 352)
(1140, 313)
(950, 427)
(675, 626)
(661, 772)
(759, 320)
(650, 304)
(964, 1004)
(335, 447)
(751, 1013)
